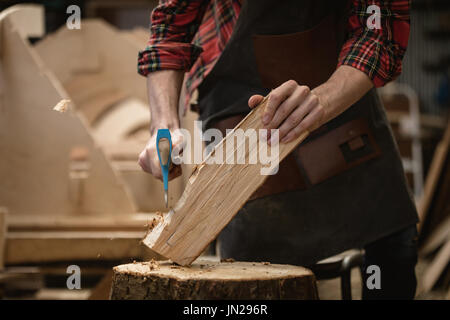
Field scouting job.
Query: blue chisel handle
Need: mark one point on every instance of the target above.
(164, 154)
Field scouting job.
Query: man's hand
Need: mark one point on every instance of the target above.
(294, 108)
(163, 94)
(291, 108)
(149, 160)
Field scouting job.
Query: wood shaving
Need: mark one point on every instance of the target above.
(62, 106)
(227, 260)
(154, 222)
(152, 264)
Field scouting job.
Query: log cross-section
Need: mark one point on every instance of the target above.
(213, 195)
(212, 280)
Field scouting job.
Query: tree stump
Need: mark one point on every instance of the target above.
(212, 280)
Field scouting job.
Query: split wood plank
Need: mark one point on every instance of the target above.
(213, 196)
(212, 280)
(3, 229)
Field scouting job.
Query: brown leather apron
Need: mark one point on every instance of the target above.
(293, 216)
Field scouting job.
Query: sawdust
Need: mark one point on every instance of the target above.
(154, 222)
(152, 264)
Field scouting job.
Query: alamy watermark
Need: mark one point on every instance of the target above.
(74, 280)
(74, 20)
(374, 280)
(240, 147)
(374, 21)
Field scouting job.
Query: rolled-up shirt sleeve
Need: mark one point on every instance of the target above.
(378, 52)
(172, 28)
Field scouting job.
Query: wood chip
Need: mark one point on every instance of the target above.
(62, 106)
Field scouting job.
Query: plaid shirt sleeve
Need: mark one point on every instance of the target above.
(173, 26)
(377, 52)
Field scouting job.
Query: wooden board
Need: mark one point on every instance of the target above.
(213, 195)
(36, 141)
(102, 290)
(54, 246)
(432, 180)
(437, 238)
(132, 222)
(3, 230)
(436, 268)
(212, 280)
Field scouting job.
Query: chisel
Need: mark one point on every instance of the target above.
(164, 148)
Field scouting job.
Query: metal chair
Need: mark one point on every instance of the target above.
(340, 266)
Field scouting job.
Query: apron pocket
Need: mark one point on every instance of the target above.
(338, 150)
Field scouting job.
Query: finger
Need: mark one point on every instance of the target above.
(309, 123)
(143, 163)
(276, 97)
(287, 107)
(297, 115)
(175, 172)
(255, 100)
(155, 166)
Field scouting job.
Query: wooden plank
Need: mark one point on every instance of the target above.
(436, 268)
(213, 195)
(3, 229)
(437, 238)
(17, 281)
(212, 280)
(434, 174)
(38, 141)
(102, 290)
(54, 246)
(133, 222)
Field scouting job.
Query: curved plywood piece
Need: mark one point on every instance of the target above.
(97, 48)
(118, 123)
(96, 107)
(35, 142)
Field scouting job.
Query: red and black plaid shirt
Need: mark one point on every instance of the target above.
(191, 35)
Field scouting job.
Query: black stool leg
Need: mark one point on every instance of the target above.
(346, 286)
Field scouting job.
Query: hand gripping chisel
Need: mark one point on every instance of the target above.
(164, 148)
